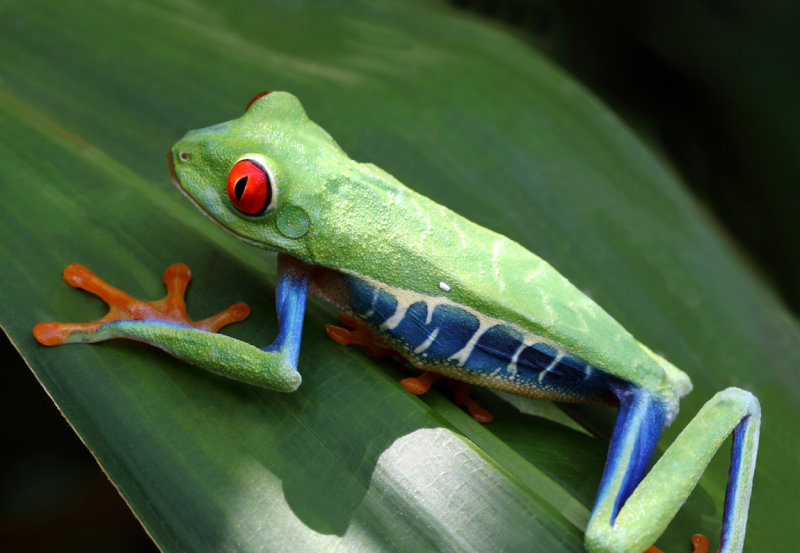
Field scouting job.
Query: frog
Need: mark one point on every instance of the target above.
(414, 279)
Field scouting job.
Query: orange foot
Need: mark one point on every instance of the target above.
(172, 308)
(418, 385)
(462, 399)
(699, 545)
(360, 334)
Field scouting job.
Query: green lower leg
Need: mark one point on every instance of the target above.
(654, 502)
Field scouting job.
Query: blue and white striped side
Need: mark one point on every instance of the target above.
(443, 336)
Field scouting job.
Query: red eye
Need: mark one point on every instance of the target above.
(256, 97)
(249, 187)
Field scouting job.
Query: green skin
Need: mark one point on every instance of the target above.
(329, 211)
(354, 218)
(400, 238)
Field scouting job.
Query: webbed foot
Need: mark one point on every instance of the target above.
(360, 334)
(462, 399)
(123, 307)
(418, 385)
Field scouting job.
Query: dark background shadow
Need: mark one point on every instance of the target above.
(711, 85)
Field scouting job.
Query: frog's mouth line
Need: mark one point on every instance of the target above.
(172, 174)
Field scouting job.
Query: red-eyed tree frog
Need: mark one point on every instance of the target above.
(449, 296)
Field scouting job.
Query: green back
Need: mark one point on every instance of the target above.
(363, 221)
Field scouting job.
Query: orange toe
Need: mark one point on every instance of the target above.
(700, 543)
(462, 399)
(418, 385)
(123, 306)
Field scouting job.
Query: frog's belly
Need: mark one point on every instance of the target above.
(436, 334)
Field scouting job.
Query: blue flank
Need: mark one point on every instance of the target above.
(455, 326)
(374, 305)
(641, 416)
(492, 353)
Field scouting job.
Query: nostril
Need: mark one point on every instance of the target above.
(184, 156)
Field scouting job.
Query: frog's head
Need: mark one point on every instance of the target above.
(261, 176)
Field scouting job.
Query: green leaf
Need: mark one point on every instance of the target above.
(93, 95)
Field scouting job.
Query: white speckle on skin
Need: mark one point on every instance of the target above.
(444, 286)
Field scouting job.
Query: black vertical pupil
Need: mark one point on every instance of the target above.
(238, 189)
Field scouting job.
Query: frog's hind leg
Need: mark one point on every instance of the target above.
(634, 506)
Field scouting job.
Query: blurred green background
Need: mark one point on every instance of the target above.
(712, 86)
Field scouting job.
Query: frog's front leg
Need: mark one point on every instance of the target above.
(291, 295)
(632, 510)
(164, 324)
